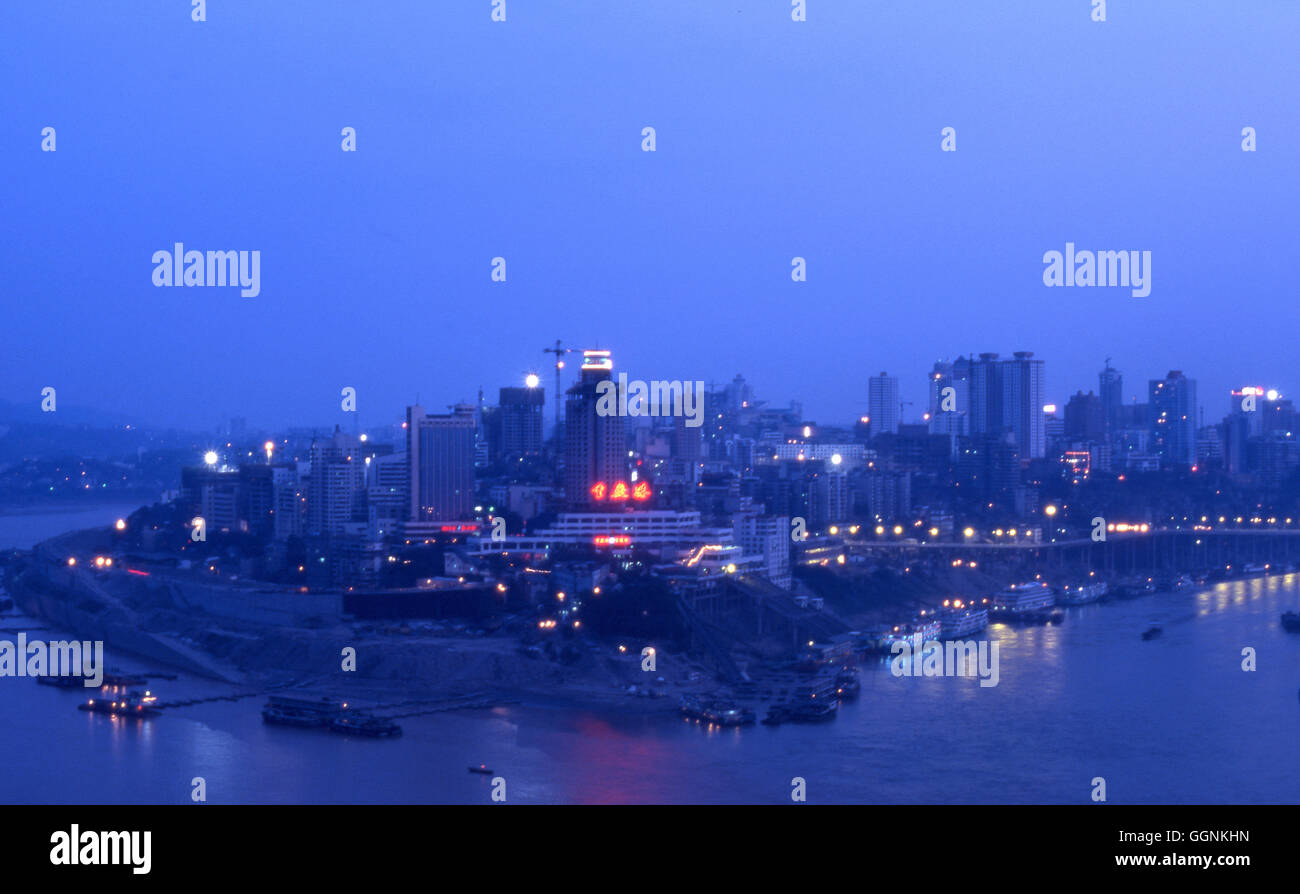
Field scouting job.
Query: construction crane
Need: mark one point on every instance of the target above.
(559, 351)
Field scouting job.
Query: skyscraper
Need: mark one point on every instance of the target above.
(336, 486)
(1171, 404)
(520, 418)
(1022, 403)
(595, 449)
(1008, 395)
(882, 403)
(440, 463)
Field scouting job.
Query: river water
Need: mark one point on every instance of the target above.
(1172, 720)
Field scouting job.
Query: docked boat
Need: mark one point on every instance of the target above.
(1082, 595)
(481, 769)
(363, 723)
(1152, 632)
(1291, 622)
(847, 684)
(959, 619)
(284, 710)
(134, 704)
(69, 682)
(1020, 601)
(720, 712)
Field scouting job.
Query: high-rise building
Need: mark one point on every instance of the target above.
(949, 410)
(520, 418)
(882, 403)
(440, 463)
(1172, 408)
(595, 448)
(1111, 393)
(1008, 395)
(336, 485)
(1085, 418)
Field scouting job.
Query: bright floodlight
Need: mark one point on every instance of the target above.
(532, 381)
(210, 457)
(836, 459)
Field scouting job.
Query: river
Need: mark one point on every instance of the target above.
(1172, 720)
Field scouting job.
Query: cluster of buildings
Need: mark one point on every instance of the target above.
(722, 498)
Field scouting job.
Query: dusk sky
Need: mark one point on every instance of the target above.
(522, 139)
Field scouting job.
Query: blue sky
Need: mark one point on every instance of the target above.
(522, 139)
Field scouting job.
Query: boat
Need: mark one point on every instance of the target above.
(284, 710)
(718, 711)
(363, 723)
(1291, 622)
(1255, 568)
(1019, 601)
(847, 683)
(1082, 595)
(799, 712)
(134, 704)
(481, 769)
(958, 620)
(69, 682)
(1152, 632)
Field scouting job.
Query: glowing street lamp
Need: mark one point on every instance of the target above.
(531, 380)
(211, 457)
(269, 447)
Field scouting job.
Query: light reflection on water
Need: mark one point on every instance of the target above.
(1172, 720)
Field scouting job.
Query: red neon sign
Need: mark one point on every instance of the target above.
(621, 490)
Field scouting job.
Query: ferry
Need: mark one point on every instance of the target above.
(1291, 622)
(1019, 599)
(133, 704)
(1081, 595)
(959, 619)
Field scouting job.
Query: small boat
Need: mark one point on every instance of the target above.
(1152, 632)
(481, 769)
(131, 705)
(70, 682)
(1290, 622)
(847, 683)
